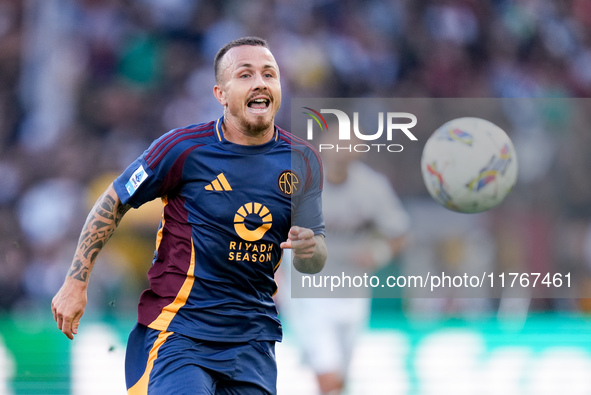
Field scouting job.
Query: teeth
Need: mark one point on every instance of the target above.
(260, 100)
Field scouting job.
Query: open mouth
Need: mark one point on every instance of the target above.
(259, 104)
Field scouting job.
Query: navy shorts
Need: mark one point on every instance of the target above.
(167, 363)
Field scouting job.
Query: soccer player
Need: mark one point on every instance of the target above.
(366, 226)
(236, 191)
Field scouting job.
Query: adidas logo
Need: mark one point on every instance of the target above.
(219, 184)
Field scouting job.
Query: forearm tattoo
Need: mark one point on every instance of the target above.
(98, 229)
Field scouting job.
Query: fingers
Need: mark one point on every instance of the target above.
(67, 328)
(63, 324)
(301, 241)
(67, 317)
(292, 235)
(297, 233)
(306, 250)
(53, 311)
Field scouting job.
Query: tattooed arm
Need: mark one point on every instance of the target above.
(69, 303)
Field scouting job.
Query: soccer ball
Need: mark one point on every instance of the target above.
(469, 165)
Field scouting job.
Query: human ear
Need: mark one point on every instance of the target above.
(220, 95)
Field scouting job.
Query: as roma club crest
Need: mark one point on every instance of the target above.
(288, 182)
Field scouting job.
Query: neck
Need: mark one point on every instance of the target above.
(242, 136)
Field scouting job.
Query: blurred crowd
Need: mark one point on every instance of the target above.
(86, 85)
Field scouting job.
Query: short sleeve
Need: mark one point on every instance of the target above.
(308, 203)
(154, 174)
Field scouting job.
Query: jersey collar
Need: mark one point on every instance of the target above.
(246, 149)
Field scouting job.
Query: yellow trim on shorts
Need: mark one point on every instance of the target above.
(141, 387)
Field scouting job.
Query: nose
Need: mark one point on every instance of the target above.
(259, 82)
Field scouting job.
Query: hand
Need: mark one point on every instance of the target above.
(68, 306)
(301, 241)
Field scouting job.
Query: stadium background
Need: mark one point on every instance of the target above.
(86, 85)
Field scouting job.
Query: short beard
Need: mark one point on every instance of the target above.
(254, 129)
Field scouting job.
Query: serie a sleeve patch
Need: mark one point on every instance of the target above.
(136, 179)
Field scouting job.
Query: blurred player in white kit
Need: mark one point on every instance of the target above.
(365, 230)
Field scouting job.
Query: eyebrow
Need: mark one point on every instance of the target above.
(250, 66)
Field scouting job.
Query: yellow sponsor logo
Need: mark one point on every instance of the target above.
(256, 209)
(250, 252)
